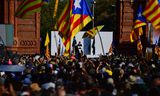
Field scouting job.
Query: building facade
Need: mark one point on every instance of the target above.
(26, 33)
(126, 11)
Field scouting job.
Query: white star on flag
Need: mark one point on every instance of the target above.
(77, 4)
(139, 14)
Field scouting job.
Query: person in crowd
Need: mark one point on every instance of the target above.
(111, 75)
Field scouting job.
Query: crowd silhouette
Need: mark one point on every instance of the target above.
(110, 75)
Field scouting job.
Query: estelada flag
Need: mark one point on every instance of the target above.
(75, 16)
(137, 30)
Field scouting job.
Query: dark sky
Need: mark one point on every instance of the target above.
(89, 2)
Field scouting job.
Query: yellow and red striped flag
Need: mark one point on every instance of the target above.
(137, 30)
(47, 41)
(134, 35)
(75, 16)
(28, 7)
(152, 13)
(91, 33)
(139, 46)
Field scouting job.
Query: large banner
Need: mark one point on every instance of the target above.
(87, 44)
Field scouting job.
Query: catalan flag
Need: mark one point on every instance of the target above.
(28, 7)
(91, 33)
(137, 30)
(152, 13)
(139, 46)
(140, 20)
(75, 16)
(135, 34)
(47, 41)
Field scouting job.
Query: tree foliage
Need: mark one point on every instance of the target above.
(105, 13)
(47, 21)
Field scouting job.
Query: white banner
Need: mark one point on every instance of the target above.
(107, 38)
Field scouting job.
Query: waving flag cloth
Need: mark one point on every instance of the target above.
(47, 41)
(92, 33)
(139, 46)
(75, 16)
(28, 7)
(137, 30)
(152, 13)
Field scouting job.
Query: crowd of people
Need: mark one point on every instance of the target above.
(114, 75)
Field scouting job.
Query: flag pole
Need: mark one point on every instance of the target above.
(93, 12)
(93, 2)
(54, 16)
(101, 42)
(97, 29)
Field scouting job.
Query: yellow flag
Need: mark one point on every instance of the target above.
(47, 40)
(47, 54)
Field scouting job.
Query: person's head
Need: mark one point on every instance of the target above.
(154, 91)
(156, 81)
(60, 90)
(35, 87)
(49, 92)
